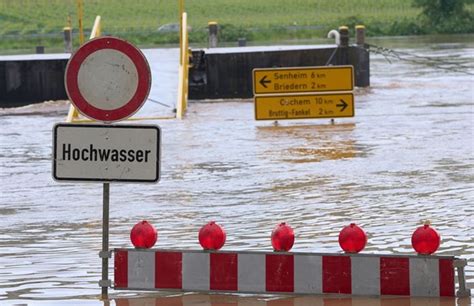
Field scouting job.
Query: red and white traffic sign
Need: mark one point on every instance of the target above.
(107, 79)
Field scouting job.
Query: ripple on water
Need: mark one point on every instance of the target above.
(405, 157)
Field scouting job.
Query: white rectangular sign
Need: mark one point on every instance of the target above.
(106, 153)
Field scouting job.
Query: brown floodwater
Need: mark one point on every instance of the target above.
(406, 156)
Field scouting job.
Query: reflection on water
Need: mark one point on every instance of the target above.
(231, 300)
(406, 156)
(193, 299)
(315, 142)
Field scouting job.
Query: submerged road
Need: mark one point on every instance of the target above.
(406, 156)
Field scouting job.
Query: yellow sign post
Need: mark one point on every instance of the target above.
(304, 106)
(303, 79)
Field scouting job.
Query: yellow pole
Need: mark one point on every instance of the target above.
(186, 56)
(72, 114)
(182, 73)
(96, 29)
(79, 17)
(181, 8)
(181, 11)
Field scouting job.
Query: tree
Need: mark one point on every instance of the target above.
(445, 15)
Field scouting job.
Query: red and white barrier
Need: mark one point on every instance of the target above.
(260, 272)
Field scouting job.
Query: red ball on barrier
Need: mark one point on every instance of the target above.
(352, 238)
(425, 239)
(212, 236)
(282, 237)
(143, 235)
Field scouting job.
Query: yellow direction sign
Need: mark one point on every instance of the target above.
(303, 79)
(306, 106)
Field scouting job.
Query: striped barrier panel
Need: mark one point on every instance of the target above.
(299, 300)
(281, 272)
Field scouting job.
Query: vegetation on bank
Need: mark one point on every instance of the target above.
(27, 23)
(446, 16)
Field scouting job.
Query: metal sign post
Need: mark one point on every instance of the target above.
(105, 254)
(107, 79)
(106, 153)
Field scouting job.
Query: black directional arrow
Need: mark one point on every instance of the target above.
(264, 81)
(343, 104)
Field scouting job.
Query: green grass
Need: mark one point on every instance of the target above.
(25, 23)
(44, 16)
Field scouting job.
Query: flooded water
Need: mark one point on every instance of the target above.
(406, 156)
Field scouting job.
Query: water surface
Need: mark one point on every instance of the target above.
(405, 157)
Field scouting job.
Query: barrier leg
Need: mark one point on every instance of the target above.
(459, 264)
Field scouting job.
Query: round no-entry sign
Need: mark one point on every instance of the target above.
(107, 79)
